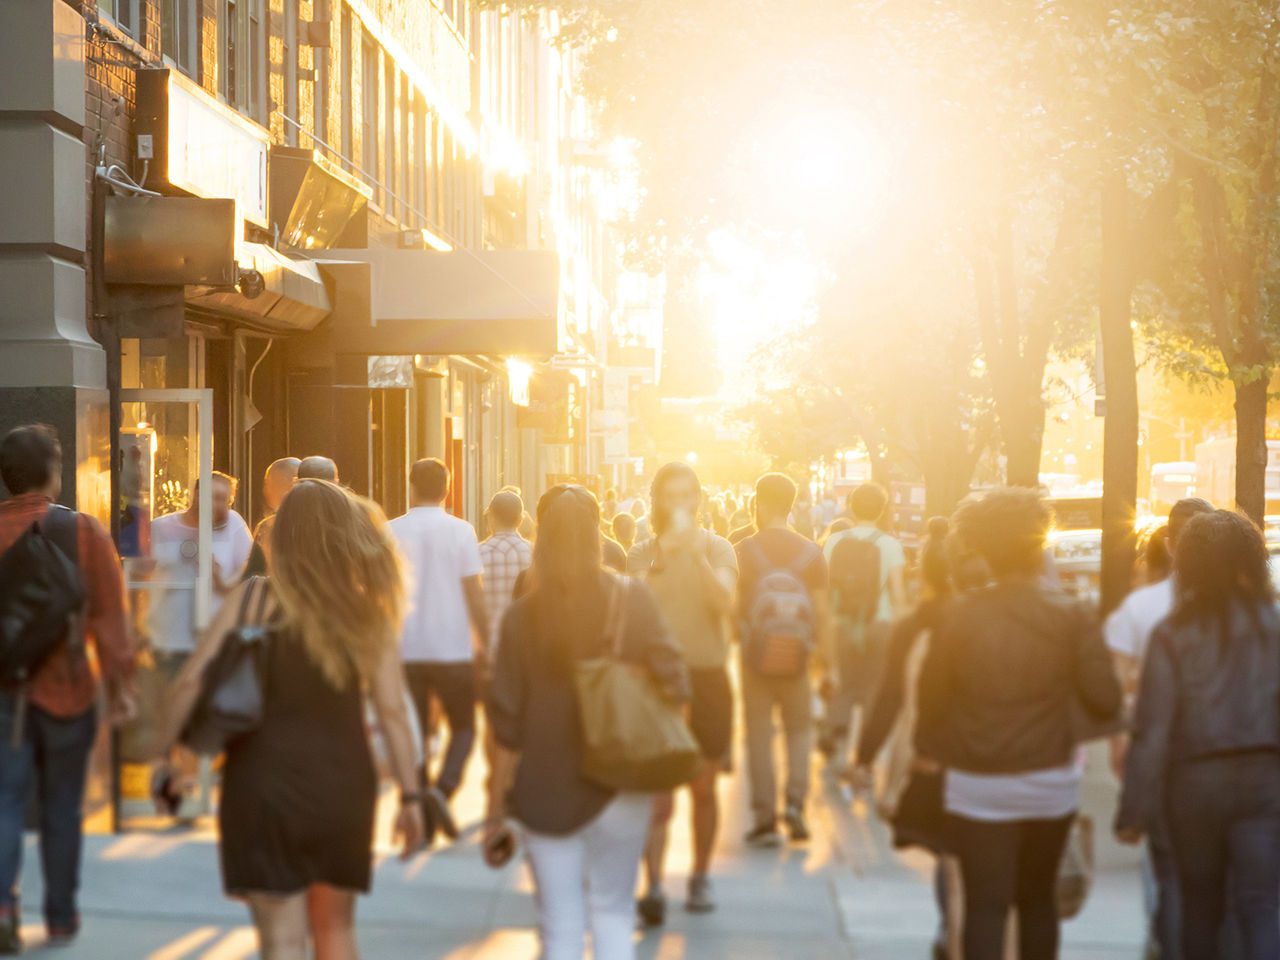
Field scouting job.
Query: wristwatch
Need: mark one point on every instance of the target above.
(411, 796)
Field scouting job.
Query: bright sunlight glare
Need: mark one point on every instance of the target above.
(822, 164)
(753, 295)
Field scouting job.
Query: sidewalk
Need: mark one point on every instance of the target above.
(157, 896)
(887, 904)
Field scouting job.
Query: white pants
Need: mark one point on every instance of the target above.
(589, 878)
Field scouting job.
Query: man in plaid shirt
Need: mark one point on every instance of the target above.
(61, 716)
(505, 555)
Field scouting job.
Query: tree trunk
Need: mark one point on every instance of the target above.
(1022, 429)
(946, 467)
(1016, 380)
(1120, 373)
(1251, 447)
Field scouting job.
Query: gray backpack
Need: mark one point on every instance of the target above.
(780, 625)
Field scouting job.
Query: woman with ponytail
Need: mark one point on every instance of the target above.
(893, 713)
(583, 840)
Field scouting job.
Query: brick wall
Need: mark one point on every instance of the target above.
(415, 28)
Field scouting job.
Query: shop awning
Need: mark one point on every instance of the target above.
(293, 295)
(389, 301)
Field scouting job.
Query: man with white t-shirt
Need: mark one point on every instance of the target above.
(1128, 632)
(175, 551)
(446, 628)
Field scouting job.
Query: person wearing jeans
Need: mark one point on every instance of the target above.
(54, 754)
(454, 685)
(584, 840)
(1016, 675)
(59, 713)
(446, 632)
(1005, 862)
(1204, 763)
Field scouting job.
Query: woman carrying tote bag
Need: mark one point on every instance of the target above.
(583, 839)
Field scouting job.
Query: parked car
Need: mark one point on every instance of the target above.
(1077, 558)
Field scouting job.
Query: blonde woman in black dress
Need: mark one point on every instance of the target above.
(297, 808)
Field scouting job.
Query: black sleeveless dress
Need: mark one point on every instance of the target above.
(298, 794)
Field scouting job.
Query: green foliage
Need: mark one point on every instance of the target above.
(1003, 117)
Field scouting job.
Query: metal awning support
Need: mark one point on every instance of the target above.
(293, 297)
(190, 245)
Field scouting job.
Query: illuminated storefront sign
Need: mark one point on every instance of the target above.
(200, 146)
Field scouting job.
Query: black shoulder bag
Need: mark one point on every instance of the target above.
(232, 698)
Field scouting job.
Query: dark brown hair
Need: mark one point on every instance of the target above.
(429, 479)
(29, 457)
(1220, 559)
(775, 494)
(566, 572)
(1008, 528)
(868, 501)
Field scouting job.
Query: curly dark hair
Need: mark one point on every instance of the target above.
(1008, 528)
(1221, 559)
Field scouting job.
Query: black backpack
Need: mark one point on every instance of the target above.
(855, 577)
(42, 595)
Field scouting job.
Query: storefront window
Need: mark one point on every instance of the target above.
(164, 446)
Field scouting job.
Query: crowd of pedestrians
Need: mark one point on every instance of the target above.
(956, 683)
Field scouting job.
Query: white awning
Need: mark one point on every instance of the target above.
(389, 301)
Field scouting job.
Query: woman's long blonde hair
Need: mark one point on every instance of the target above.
(336, 573)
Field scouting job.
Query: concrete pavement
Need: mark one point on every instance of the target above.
(155, 895)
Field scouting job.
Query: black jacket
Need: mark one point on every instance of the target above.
(1210, 688)
(1017, 674)
(891, 694)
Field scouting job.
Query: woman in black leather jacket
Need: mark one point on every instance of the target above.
(1206, 740)
(1015, 674)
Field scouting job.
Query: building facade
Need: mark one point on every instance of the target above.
(371, 229)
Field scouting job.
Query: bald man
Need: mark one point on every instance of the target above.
(276, 484)
(318, 468)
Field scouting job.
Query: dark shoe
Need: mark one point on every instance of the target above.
(429, 826)
(699, 894)
(796, 825)
(441, 815)
(763, 836)
(10, 935)
(652, 909)
(63, 936)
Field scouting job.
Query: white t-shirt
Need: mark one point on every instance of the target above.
(174, 546)
(440, 551)
(1037, 795)
(1129, 628)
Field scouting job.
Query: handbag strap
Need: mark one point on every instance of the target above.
(257, 586)
(250, 589)
(615, 620)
